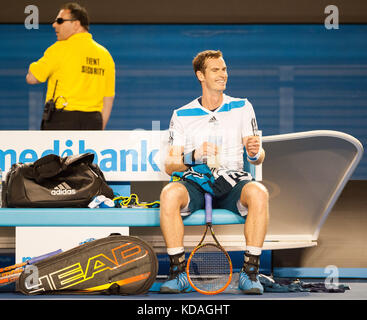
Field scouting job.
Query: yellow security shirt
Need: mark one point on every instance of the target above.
(84, 69)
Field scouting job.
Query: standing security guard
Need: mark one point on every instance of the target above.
(80, 74)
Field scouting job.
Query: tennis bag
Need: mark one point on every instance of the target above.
(52, 181)
(117, 264)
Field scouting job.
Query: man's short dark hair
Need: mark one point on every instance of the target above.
(78, 12)
(199, 61)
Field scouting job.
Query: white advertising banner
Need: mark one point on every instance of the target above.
(136, 155)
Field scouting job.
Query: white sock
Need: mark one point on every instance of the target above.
(255, 251)
(174, 251)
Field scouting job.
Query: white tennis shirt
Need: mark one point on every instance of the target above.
(192, 125)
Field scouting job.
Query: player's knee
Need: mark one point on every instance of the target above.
(254, 191)
(173, 193)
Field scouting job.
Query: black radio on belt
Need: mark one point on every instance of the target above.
(49, 107)
(48, 110)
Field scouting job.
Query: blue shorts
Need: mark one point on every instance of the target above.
(230, 202)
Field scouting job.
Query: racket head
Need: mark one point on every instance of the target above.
(209, 269)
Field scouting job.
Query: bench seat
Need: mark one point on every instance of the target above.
(132, 217)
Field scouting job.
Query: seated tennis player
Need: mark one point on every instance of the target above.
(213, 129)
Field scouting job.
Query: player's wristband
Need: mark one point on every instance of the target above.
(254, 158)
(189, 159)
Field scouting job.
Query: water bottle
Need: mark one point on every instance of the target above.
(1, 188)
(215, 138)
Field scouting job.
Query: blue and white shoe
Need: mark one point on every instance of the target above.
(249, 283)
(179, 284)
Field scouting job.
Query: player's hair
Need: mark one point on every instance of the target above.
(77, 12)
(199, 62)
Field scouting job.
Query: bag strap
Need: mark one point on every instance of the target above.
(51, 165)
(47, 166)
(74, 159)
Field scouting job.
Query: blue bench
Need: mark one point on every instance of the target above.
(131, 217)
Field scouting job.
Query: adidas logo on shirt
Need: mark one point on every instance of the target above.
(63, 189)
(212, 119)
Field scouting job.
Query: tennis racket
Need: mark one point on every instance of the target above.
(209, 267)
(12, 273)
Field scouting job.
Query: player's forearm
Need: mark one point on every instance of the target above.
(173, 164)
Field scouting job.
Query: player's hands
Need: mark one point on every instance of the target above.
(253, 145)
(206, 150)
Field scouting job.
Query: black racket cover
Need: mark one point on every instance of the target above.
(113, 265)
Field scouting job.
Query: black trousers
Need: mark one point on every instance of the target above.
(73, 120)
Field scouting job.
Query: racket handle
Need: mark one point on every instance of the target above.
(208, 207)
(44, 256)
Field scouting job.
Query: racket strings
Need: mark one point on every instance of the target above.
(209, 268)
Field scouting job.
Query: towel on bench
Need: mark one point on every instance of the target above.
(216, 181)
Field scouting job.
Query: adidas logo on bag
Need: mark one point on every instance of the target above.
(63, 189)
